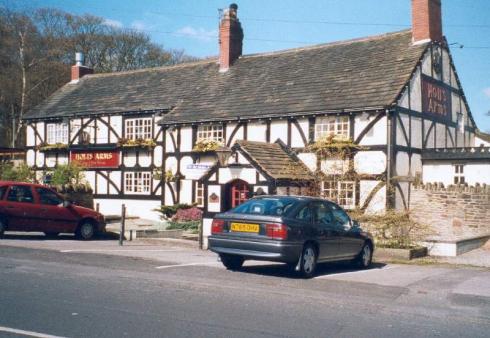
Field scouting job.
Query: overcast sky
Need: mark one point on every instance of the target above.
(280, 24)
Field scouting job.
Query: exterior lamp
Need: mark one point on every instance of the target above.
(223, 154)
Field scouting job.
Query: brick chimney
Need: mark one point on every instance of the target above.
(230, 38)
(79, 70)
(426, 21)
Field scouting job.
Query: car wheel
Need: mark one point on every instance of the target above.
(86, 231)
(51, 234)
(232, 262)
(3, 226)
(365, 256)
(308, 261)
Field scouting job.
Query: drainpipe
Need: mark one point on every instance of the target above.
(389, 159)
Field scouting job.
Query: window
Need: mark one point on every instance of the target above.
(140, 128)
(341, 218)
(199, 199)
(459, 174)
(267, 206)
(332, 125)
(2, 191)
(210, 132)
(137, 182)
(20, 193)
(321, 213)
(49, 197)
(341, 192)
(304, 214)
(57, 133)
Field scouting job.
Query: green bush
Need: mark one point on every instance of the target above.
(168, 211)
(19, 173)
(64, 174)
(192, 226)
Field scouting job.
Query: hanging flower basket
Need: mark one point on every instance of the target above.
(207, 145)
(136, 143)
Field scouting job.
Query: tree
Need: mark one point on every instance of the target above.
(37, 49)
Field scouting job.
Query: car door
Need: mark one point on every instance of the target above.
(324, 231)
(57, 217)
(350, 242)
(21, 210)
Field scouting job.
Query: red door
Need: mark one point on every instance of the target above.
(239, 192)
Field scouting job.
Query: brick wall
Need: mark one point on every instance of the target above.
(452, 211)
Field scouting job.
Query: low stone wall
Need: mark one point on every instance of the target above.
(453, 211)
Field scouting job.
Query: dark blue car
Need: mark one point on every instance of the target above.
(299, 231)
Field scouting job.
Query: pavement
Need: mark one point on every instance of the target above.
(73, 288)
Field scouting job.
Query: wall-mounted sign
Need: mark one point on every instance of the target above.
(196, 171)
(436, 97)
(96, 159)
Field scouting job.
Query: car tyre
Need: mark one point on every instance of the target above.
(365, 257)
(232, 262)
(308, 261)
(51, 234)
(86, 231)
(3, 227)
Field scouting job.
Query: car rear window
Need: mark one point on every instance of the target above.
(2, 191)
(265, 206)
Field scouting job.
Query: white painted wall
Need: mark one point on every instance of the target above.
(279, 129)
(378, 133)
(444, 173)
(370, 162)
(229, 174)
(185, 139)
(480, 142)
(140, 208)
(256, 132)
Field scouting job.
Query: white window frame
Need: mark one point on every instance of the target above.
(199, 196)
(341, 192)
(137, 182)
(138, 128)
(57, 133)
(332, 125)
(459, 173)
(212, 132)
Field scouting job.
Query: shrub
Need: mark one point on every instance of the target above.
(168, 211)
(186, 215)
(393, 229)
(192, 226)
(19, 173)
(64, 174)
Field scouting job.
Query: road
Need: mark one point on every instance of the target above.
(172, 292)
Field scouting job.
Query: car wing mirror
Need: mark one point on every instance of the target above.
(67, 204)
(355, 224)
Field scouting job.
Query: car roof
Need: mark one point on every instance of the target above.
(297, 197)
(4, 183)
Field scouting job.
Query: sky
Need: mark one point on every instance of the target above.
(269, 25)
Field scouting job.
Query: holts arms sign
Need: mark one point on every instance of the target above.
(436, 98)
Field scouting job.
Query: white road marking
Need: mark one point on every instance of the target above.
(27, 333)
(118, 250)
(182, 265)
(346, 273)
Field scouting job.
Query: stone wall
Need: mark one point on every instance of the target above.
(453, 211)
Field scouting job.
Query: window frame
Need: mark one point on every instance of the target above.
(199, 194)
(332, 125)
(137, 182)
(57, 133)
(212, 132)
(336, 191)
(138, 128)
(39, 196)
(22, 186)
(458, 173)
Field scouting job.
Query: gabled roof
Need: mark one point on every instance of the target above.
(274, 160)
(356, 74)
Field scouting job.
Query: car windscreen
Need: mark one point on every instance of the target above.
(267, 206)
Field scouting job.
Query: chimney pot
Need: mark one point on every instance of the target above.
(426, 21)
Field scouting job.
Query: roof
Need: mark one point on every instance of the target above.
(356, 74)
(274, 160)
(469, 153)
(482, 135)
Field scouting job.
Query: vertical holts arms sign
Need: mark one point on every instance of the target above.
(436, 98)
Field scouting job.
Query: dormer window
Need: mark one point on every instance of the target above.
(138, 128)
(212, 132)
(331, 125)
(57, 133)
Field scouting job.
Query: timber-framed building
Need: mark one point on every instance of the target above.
(394, 96)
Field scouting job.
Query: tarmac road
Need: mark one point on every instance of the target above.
(93, 290)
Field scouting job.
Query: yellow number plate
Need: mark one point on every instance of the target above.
(244, 227)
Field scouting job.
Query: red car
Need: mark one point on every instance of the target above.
(34, 207)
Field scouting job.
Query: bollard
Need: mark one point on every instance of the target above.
(123, 221)
(97, 207)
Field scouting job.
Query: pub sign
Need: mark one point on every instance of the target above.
(436, 98)
(96, 159)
